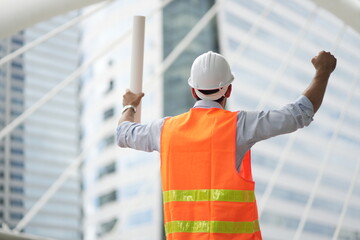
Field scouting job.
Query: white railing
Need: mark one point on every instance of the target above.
(159, 72)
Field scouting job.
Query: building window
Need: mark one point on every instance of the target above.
(15, 113)
(1, 188)
(17, 164)
(16, 151)
(15, 189)
(108, 113)
(17, 89)
(110, 86)
(17, 101)
(107, 142)
(16, 216)
(107, 170)
(107, 198)
(106, 227)
(18, 139)
(16, 176)
(17, 41)
(20, 127)
(17, 77)
(16, 65)
(16, 203)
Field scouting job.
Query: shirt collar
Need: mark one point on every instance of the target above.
(207, 104)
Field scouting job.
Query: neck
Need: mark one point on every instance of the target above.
(223, 103)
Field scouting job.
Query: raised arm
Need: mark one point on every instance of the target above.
(324, 64)
(145, 137)
(262, 125)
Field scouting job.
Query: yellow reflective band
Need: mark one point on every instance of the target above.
(212, 227)
(209, 195)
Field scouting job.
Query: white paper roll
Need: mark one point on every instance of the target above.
(137, 59)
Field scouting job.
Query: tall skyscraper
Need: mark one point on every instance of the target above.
(270, 45)
(12, 204)
(122, 197)
(51, 139)
(36, 153)
(179, 18)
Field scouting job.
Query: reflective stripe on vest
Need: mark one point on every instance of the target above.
(204, 195)
(212, 227)
(224, 195)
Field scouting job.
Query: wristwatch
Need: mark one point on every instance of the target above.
(127, 107)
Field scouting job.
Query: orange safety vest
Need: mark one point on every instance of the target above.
(205, 198)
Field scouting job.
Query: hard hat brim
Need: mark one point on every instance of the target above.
(214, 96)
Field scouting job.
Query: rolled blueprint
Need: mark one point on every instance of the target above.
(137, 59)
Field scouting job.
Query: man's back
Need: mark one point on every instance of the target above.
(204, 195)
(198, 150)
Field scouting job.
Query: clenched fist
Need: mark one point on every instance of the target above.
(324, 62)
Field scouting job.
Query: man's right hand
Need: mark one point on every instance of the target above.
(324, 62)
(130, 98)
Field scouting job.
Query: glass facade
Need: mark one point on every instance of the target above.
(179, 18)
(271, 62)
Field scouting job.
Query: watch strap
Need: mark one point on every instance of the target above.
(129, 106)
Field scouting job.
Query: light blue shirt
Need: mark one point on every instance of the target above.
(252, 127)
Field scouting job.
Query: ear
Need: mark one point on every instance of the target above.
(228, 91)
(193, 93)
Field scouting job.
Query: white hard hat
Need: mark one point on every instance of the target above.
(210, 71)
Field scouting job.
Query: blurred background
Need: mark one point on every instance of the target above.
(62, 77)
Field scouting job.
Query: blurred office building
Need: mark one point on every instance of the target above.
(122, 196)
(35, 153)
(269, 45)
(11, 146)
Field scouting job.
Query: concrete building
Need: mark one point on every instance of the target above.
(51, 139)
(38, 151)
(122, 197)
(12, 160)
(270, 45)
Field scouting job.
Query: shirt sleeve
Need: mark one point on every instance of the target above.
(256, 126)
(145, 137)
